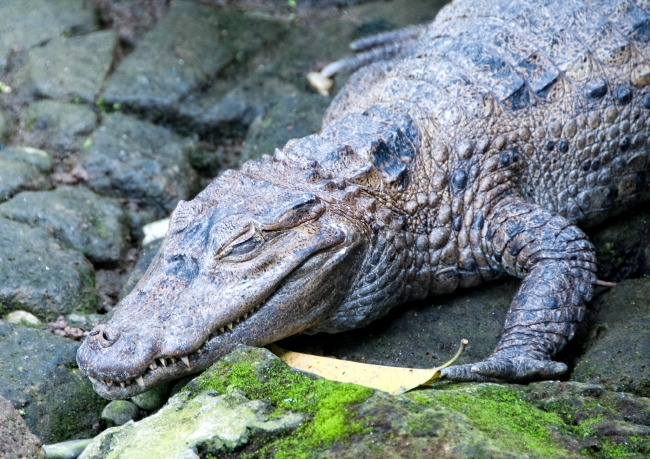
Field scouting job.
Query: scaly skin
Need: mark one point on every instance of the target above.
(471, 155)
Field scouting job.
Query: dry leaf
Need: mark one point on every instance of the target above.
(394, 380)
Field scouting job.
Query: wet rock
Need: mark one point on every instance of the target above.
(186, 49)
(618, 354)
(85, 322)
(58, 127)
(94, 225)
(422, 334)
(39, 275)
(144, 260)
(16, 441)
(23, 168)
(39, 377)
(131, 19)
(70, 68)
(153, 398)
(622, 245)
(209, 422)
(28, 23)
(23, 318)
(66, 450)
(119, 412)
(134, 159)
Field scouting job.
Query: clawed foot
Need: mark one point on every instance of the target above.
(500, 368)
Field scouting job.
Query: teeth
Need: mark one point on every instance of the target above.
(246, 316)
(153, 365)
(92, 380)
(237, 320)
(186, 361)
(108, 381)
(173, 359)
(230, 326)
(199, 351)
(140, 380)
(163, 362)
(123, 384)
(222, 329)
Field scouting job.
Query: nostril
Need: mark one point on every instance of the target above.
(104, 336)
(94, 333)
(107, 337)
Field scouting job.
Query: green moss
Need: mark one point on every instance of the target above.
(517, 425)
(325, 402)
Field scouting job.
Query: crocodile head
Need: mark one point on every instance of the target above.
(247, 261)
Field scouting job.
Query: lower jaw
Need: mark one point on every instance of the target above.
(198, 363)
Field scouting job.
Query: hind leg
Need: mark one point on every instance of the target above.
(557, 263)
(376, 48)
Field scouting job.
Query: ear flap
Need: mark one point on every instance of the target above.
(308, 208)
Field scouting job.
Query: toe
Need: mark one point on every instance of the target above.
(502, 369)
(462, 373)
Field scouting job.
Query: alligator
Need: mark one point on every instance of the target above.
(461, 151)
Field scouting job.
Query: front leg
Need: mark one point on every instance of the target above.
(557, 263)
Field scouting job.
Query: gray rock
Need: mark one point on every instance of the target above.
(212, 423)
(27, 23)
(66, 450)
(39, 275)
(57, 126)
(134, 159)
(186, 49)
(94, 225)
(144, 260)
(39, 377)
(618, 353)
(5, 126)
(119, 412)
(153, 398)
(16, 440)
(72, 67)
(294, 116)
(23, 168)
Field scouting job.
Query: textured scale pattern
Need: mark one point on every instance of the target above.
(464, 150)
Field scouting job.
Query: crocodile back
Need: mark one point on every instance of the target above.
(547, 99)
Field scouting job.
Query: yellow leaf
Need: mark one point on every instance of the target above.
(394, 380)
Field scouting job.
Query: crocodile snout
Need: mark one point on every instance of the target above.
(103, 335)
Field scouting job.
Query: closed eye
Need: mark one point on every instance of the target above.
(245, 247)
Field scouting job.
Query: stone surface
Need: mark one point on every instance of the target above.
(119, 412)
(39, 275)
(422, 334)
(28, 23)
(58, 127)
(187, 48)
(94, 225)
(542, 420)
(618, 353)
(38, 375)
(16, 441)
(23, 318)
(208, 422)
(5, 126)
(294, 116)
(623, 245)
(66, 450)
(144, 260)
(154, 398)
(134, 159)
(23, 168)
(71, 68)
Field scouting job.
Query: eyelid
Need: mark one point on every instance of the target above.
(253, 230)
